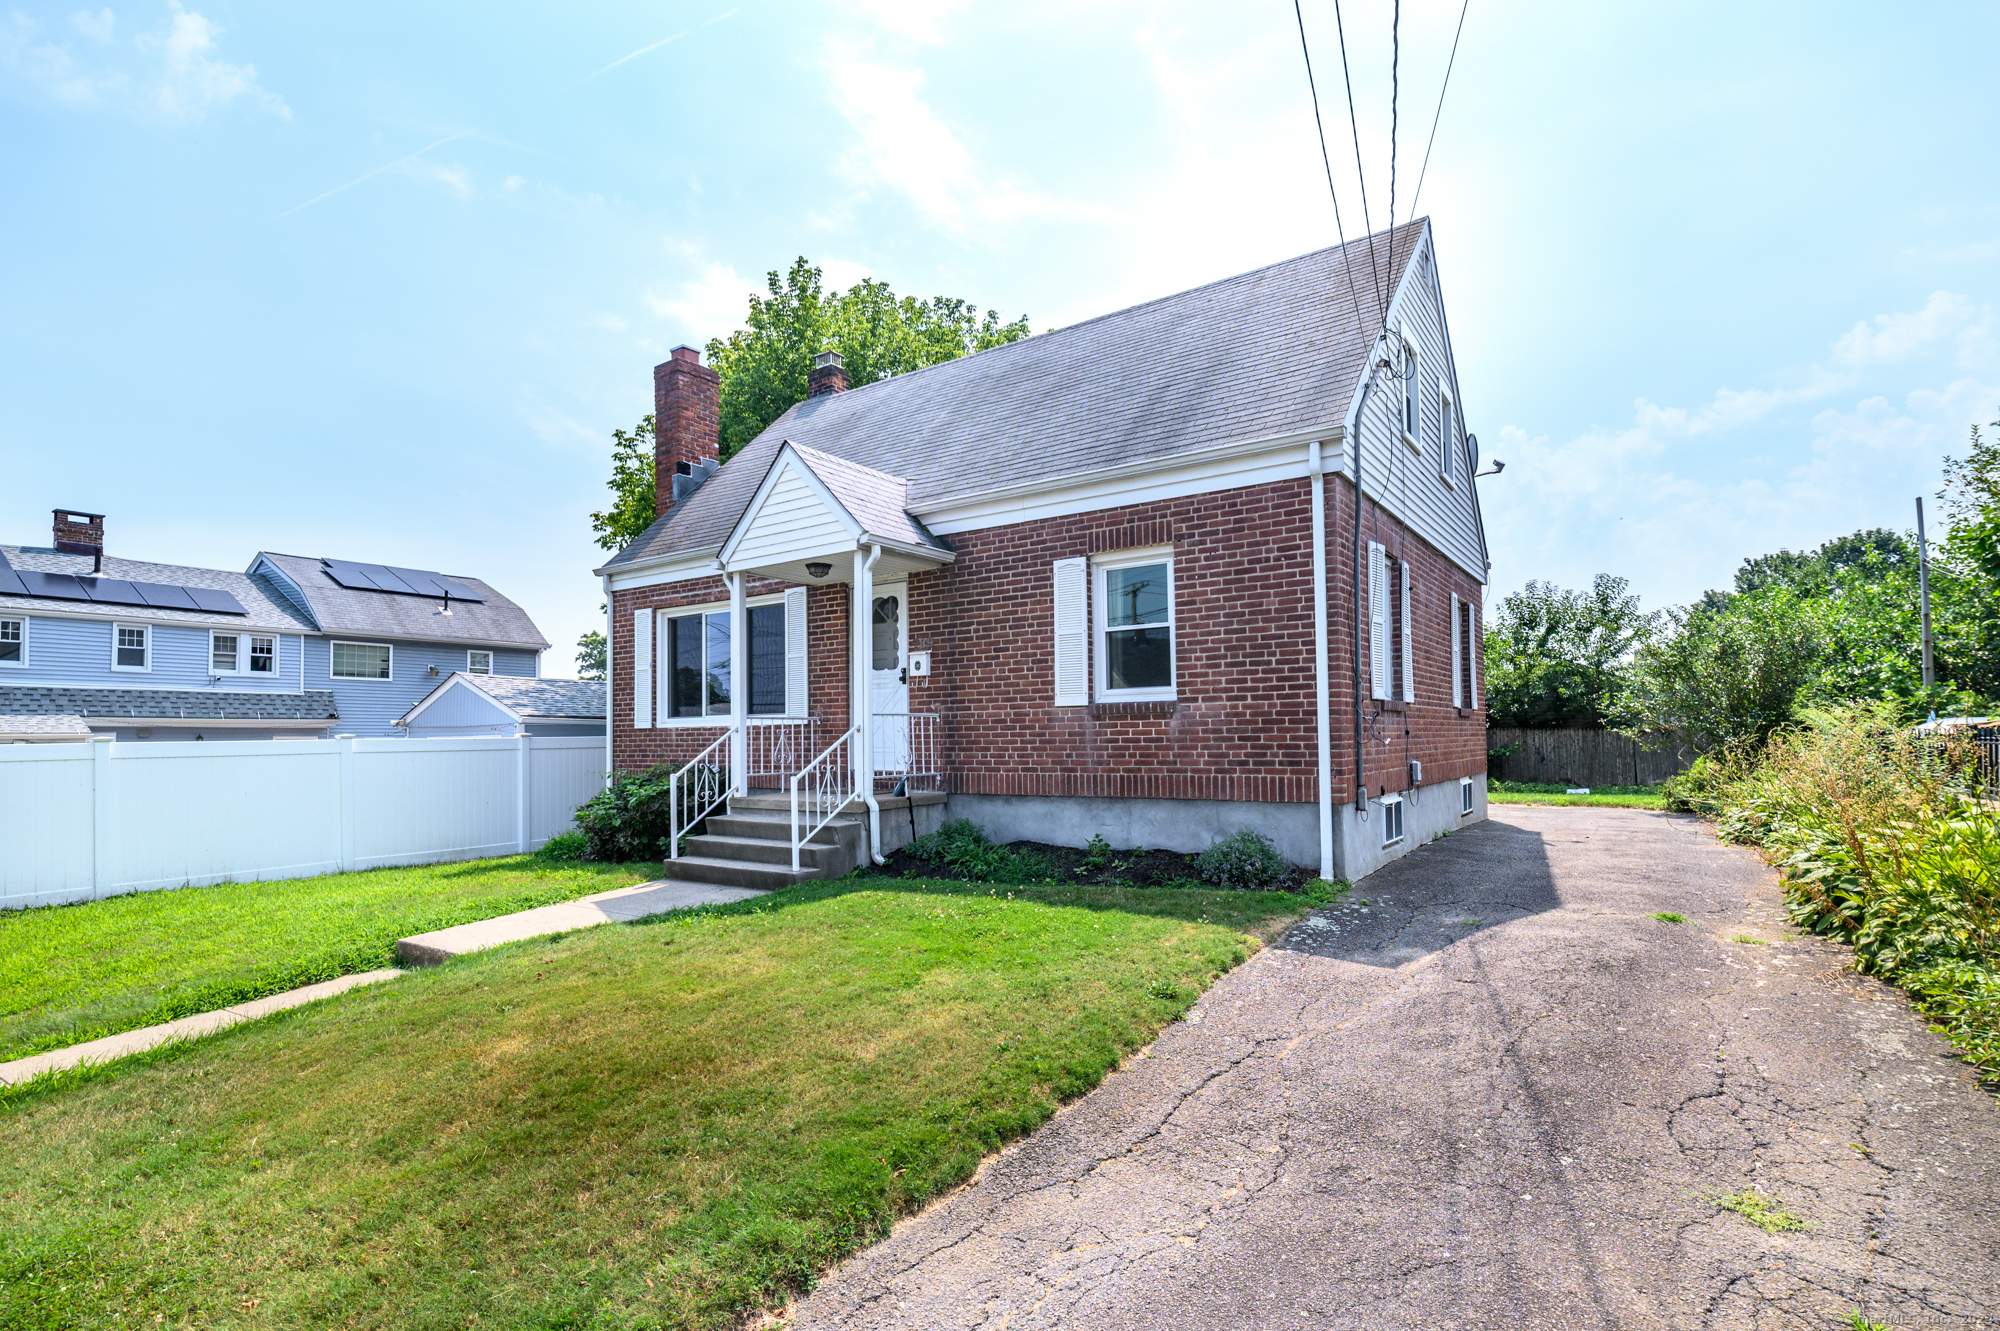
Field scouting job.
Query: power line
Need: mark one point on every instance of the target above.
(1361, 176)
(1327, 161)
(1440, 107)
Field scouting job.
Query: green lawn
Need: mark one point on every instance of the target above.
(1609, 797)
(73, 973)
(671, 1123)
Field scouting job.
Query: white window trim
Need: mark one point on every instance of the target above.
(470, 652)
(717, 720)
(1447, 438)
(145, 669)
(1384, 803)
(360, 679)
(1101, 565)
(277, 655)
(22, 664)
(1413, 391)
(1467, 804)
(243, 669)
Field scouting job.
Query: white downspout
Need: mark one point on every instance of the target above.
(864, 740)
(1322, 704)
(739, 683)
(610, 616)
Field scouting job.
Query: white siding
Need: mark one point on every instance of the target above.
(1405, 480)
(792, 522)
(79, 821)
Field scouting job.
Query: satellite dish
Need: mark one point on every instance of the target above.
(1472, 447)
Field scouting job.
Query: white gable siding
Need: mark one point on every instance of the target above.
(1404, 480)
(793, 520)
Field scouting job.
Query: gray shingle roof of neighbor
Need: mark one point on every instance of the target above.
(493, 621)
(168, 704)
(44, 725)
(267, 605)
(1262, 354)
(542, 697)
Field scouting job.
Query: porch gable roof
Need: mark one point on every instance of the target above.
(812, 503)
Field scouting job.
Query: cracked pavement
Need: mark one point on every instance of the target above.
(1494, 1095)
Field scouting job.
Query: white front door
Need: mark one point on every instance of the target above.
(889, 678)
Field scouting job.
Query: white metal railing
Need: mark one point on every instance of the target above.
(696, 789)
(823, 787)
(905, 749)
(782, 747)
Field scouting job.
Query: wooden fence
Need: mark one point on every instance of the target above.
(1581, 757)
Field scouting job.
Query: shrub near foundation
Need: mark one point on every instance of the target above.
(1243, 859)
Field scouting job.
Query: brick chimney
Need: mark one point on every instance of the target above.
(687, 421)
(79, 533)
(828, 375)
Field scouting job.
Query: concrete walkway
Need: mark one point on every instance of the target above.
(1487, 1091)
(625, 903)
(185, 1028)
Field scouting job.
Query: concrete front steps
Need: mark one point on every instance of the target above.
(751, 845)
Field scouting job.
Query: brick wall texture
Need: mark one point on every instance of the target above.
(1242, 725)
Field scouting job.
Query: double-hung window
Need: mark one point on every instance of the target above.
(694, 652)
(14, 642)
(263, 656)
(242, 654)
(222, 655)
(478, 663)
(362, 660)
(1135, 627)
(132, 647)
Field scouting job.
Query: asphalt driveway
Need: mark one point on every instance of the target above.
(1494, 1095)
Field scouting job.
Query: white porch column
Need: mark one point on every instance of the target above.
(863, 641)
(739, 684)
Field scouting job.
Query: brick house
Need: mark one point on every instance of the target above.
(1116, 578)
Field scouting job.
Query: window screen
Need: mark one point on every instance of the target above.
(360, 660)
(767, 660)
(697, 652)
(718, 663)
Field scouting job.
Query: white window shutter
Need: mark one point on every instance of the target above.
(1472, 659)
(796, 701)
(1457, 657)
(1072, 606)
(1409, 674)
(642, 669)
(1378, 620)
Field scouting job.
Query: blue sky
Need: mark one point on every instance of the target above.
(378, 281)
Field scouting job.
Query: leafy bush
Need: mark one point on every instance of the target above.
(962, 849)
(1884, 846)
(570, 845)
(631, 818)
(1243, 859)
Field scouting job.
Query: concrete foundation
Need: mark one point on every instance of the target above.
(1192, 825)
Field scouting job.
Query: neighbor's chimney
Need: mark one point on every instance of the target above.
(79, 533)
(687, 421)
(828, 375)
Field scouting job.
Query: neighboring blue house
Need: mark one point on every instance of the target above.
(507, 705)
(293, 648)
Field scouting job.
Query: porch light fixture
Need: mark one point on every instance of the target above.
(819, 569)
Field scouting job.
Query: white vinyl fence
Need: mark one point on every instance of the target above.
(79, 821)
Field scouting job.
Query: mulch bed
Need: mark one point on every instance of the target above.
(1148, 868)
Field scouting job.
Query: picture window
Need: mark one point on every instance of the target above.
(697, 655)
(361, 660)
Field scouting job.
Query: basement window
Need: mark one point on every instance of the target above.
(1465, 796)
(1392, 819)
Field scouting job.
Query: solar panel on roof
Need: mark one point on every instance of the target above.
(164, 597)
(114, 591)
(111, 591)
(216, 601)
(401, 581)
(10, 581)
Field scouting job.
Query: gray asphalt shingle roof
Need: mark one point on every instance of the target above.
(267, 606)
(494, 621)
(44, 725)
(1265, 353)
(875, 499)
(531, 699)
(168, 704)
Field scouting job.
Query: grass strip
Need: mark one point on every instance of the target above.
(96, 968)
(1592, 800)
(672, 1123)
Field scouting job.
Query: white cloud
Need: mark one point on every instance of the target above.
(174, 73)
(97, 27)
(454, 178)
(712, 305)
(1679, 497)
(919, 22)
(514, 183)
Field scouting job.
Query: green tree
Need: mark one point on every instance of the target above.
(765, 365)
(631, 484)
(1556, 657)
(590, 655)
(1718, 676)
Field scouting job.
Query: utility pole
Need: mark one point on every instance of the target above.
(1924, 593)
